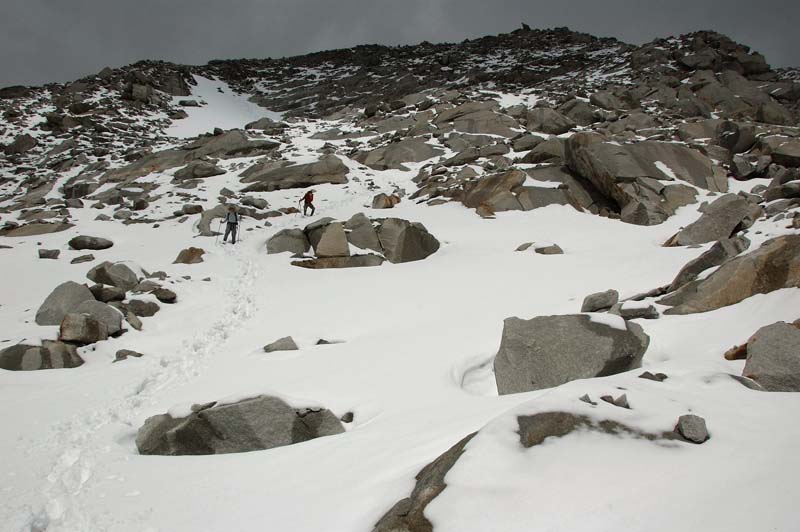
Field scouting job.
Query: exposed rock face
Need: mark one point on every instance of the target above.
(633, 175)
(393, 156)
(505, 192)
(329, 169)
(294, 241)
(404, 241)
(773, 358)
(547, 351)
(199, 170)
(255, 424)
(90, 242)
(82, 329)
(775, 265)
(408, 515)
(51, 355)
(114, 274)
(722, 251)
(233, 143)
(35, 229)
(65, 298)
(718, 221)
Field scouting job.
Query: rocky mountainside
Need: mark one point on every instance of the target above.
(551, 263)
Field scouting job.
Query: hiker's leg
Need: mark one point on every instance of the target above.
(313, 210)
(227, 232)
(234, 228)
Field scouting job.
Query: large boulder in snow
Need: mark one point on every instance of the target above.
(600, 301)
(719, 220)
(82, 329)
(328, 238)
(106, 314)
(640, 177)
(722, 251)
(547, 351)
(329, 169)
(65, 298)
(411, 150)
(361, 233)
(505, 191)
(294, 241)
(90, 242)
(51, 355)
(116, 274)
(496, 191)
(775, 265)
(773, 358)
(404, 241)
(255, 424)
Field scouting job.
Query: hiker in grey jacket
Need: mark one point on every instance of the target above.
(231, 224)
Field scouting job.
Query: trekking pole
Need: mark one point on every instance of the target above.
(219, 230)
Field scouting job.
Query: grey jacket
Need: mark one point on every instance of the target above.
(232, 218)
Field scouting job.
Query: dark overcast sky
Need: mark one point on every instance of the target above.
(61, 40)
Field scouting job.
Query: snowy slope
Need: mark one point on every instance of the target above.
(414, 337)
(220, 107)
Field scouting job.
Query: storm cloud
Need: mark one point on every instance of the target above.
(47, 40)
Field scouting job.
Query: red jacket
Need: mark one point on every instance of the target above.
(309, 197)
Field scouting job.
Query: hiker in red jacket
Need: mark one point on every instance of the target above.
(308, 202)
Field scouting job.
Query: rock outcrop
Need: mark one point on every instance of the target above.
(329, 169)
(773, 358)
(50, 355)
(775, 265)
(65, 298)
(256, 424)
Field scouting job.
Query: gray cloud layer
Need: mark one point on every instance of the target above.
(60, 40)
